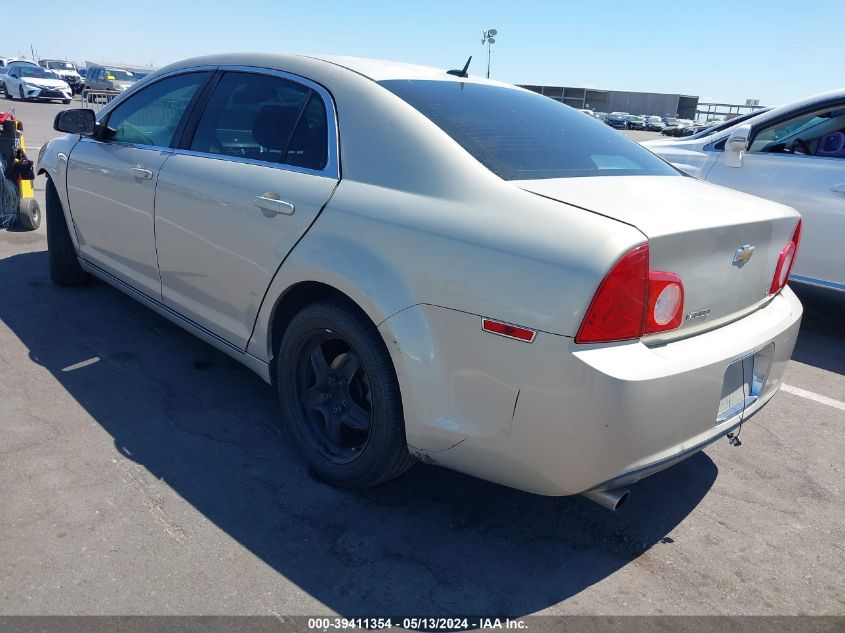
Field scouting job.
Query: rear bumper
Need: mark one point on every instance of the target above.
(557, 418)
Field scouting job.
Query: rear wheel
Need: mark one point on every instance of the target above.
(340, 396)
(64, 265)
(29, 214)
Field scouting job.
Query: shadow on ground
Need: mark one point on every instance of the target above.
(432, 542)
(822, 334)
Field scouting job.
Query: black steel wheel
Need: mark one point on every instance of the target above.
(340, 396)
(333, 392)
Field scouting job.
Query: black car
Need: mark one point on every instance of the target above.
(635, 122)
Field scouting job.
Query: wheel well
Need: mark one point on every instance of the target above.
(294, 300)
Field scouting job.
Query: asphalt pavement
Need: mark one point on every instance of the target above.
(143, 472)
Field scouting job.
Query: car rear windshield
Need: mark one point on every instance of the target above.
(521, 135)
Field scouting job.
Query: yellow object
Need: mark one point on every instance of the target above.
(26, 185)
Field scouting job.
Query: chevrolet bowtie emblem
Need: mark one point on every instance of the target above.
(742, 255)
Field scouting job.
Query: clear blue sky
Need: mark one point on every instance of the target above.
(776, 50)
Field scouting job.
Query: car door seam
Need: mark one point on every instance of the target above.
(155, 235)
(285, 258)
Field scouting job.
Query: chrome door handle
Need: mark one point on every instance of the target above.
(141, 173)
(840, 188)
(271, 202)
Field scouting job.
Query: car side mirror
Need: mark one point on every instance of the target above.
(77, 121)
(736, 144)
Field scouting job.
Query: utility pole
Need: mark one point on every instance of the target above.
(488, 37)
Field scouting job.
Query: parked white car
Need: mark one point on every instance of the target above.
(793, 154)
(432, 265)
(29, 82)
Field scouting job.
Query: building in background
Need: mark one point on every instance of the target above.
(648, 103)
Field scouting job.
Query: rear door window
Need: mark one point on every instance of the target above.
(264, 118)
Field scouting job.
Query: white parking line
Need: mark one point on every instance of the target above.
(803, 393)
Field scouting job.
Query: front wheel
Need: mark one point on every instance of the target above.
(64, 265)
(340, 396)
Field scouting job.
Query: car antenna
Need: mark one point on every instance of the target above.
(460, 73)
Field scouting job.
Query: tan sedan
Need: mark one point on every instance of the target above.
(430, 265)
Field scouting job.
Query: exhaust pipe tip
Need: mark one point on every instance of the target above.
(610, 499)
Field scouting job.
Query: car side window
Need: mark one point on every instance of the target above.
(151, 116)
(265, 118)
(818, 133)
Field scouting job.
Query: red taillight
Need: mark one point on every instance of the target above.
(631, 302)
(785, 261)
(616, 312)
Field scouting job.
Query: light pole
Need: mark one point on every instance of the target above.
(488, 37)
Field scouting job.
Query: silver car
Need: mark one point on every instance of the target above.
(108, 78)
(434, 266)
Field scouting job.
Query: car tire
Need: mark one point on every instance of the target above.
(29, 214)
(64, 264)
(6, 93)
(20, 92)
(66, 101)
(340, 396)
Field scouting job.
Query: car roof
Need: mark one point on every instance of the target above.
(801, 103)
(383, 70)
(334, 66)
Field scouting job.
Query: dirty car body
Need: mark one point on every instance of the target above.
(561, 316)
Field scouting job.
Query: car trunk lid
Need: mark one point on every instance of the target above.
(694, 230)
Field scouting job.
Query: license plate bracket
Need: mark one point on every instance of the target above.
(743, 382)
